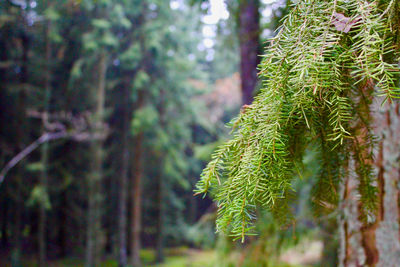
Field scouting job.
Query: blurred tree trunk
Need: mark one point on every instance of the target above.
(20, 137)
(161, 188)
(161, 217)
(136, 191)
(42, 209)
(62, 218)
(45, 152)
(4, 226)
(249, 39)
(94, 228)
(3, 114)
(123, 186)
(137, 166)
(16, 250)
(378, 243)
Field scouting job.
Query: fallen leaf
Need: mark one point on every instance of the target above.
(343, 23)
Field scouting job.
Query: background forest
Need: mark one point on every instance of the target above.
(110, 109)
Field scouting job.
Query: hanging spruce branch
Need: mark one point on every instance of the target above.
(319, 75)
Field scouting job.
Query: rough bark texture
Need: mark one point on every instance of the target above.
(94, 233)
(376, 244)
(249, 35)
(387, 232)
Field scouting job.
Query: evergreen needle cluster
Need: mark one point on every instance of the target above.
(319, 75)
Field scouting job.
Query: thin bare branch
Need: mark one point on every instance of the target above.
(25, 152)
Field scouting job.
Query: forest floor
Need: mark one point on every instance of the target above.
(188, 257)
(304, 255)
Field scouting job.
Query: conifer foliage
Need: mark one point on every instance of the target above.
(320, 73)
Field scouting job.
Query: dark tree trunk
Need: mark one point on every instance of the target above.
(62, 219)
(20, 137)
(94, 241)
(161, 188)
(4, 225)
(137, 166)
(44, 154)
(16, 250)
(123, 186)
(161, 215)
(249, 38)
(3, 113)
(42, 209)
(136, 191)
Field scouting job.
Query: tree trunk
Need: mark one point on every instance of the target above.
(16, 250)
(136, 191)
(94, 228)
(4, 226)
(44, 154)
(62, 218)
(20, 137)
(42, 208)
(249, 34)
(123, 186)
(161, 188)
(3, 113)
(376, 244)
(161, 214)
(137, 166)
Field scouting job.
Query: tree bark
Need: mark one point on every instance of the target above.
(249, 38)
(378, 243)
(94, 228)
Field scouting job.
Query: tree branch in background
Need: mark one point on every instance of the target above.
(25, 152)
(79, 129)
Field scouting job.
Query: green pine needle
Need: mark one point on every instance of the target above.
(321, 61)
